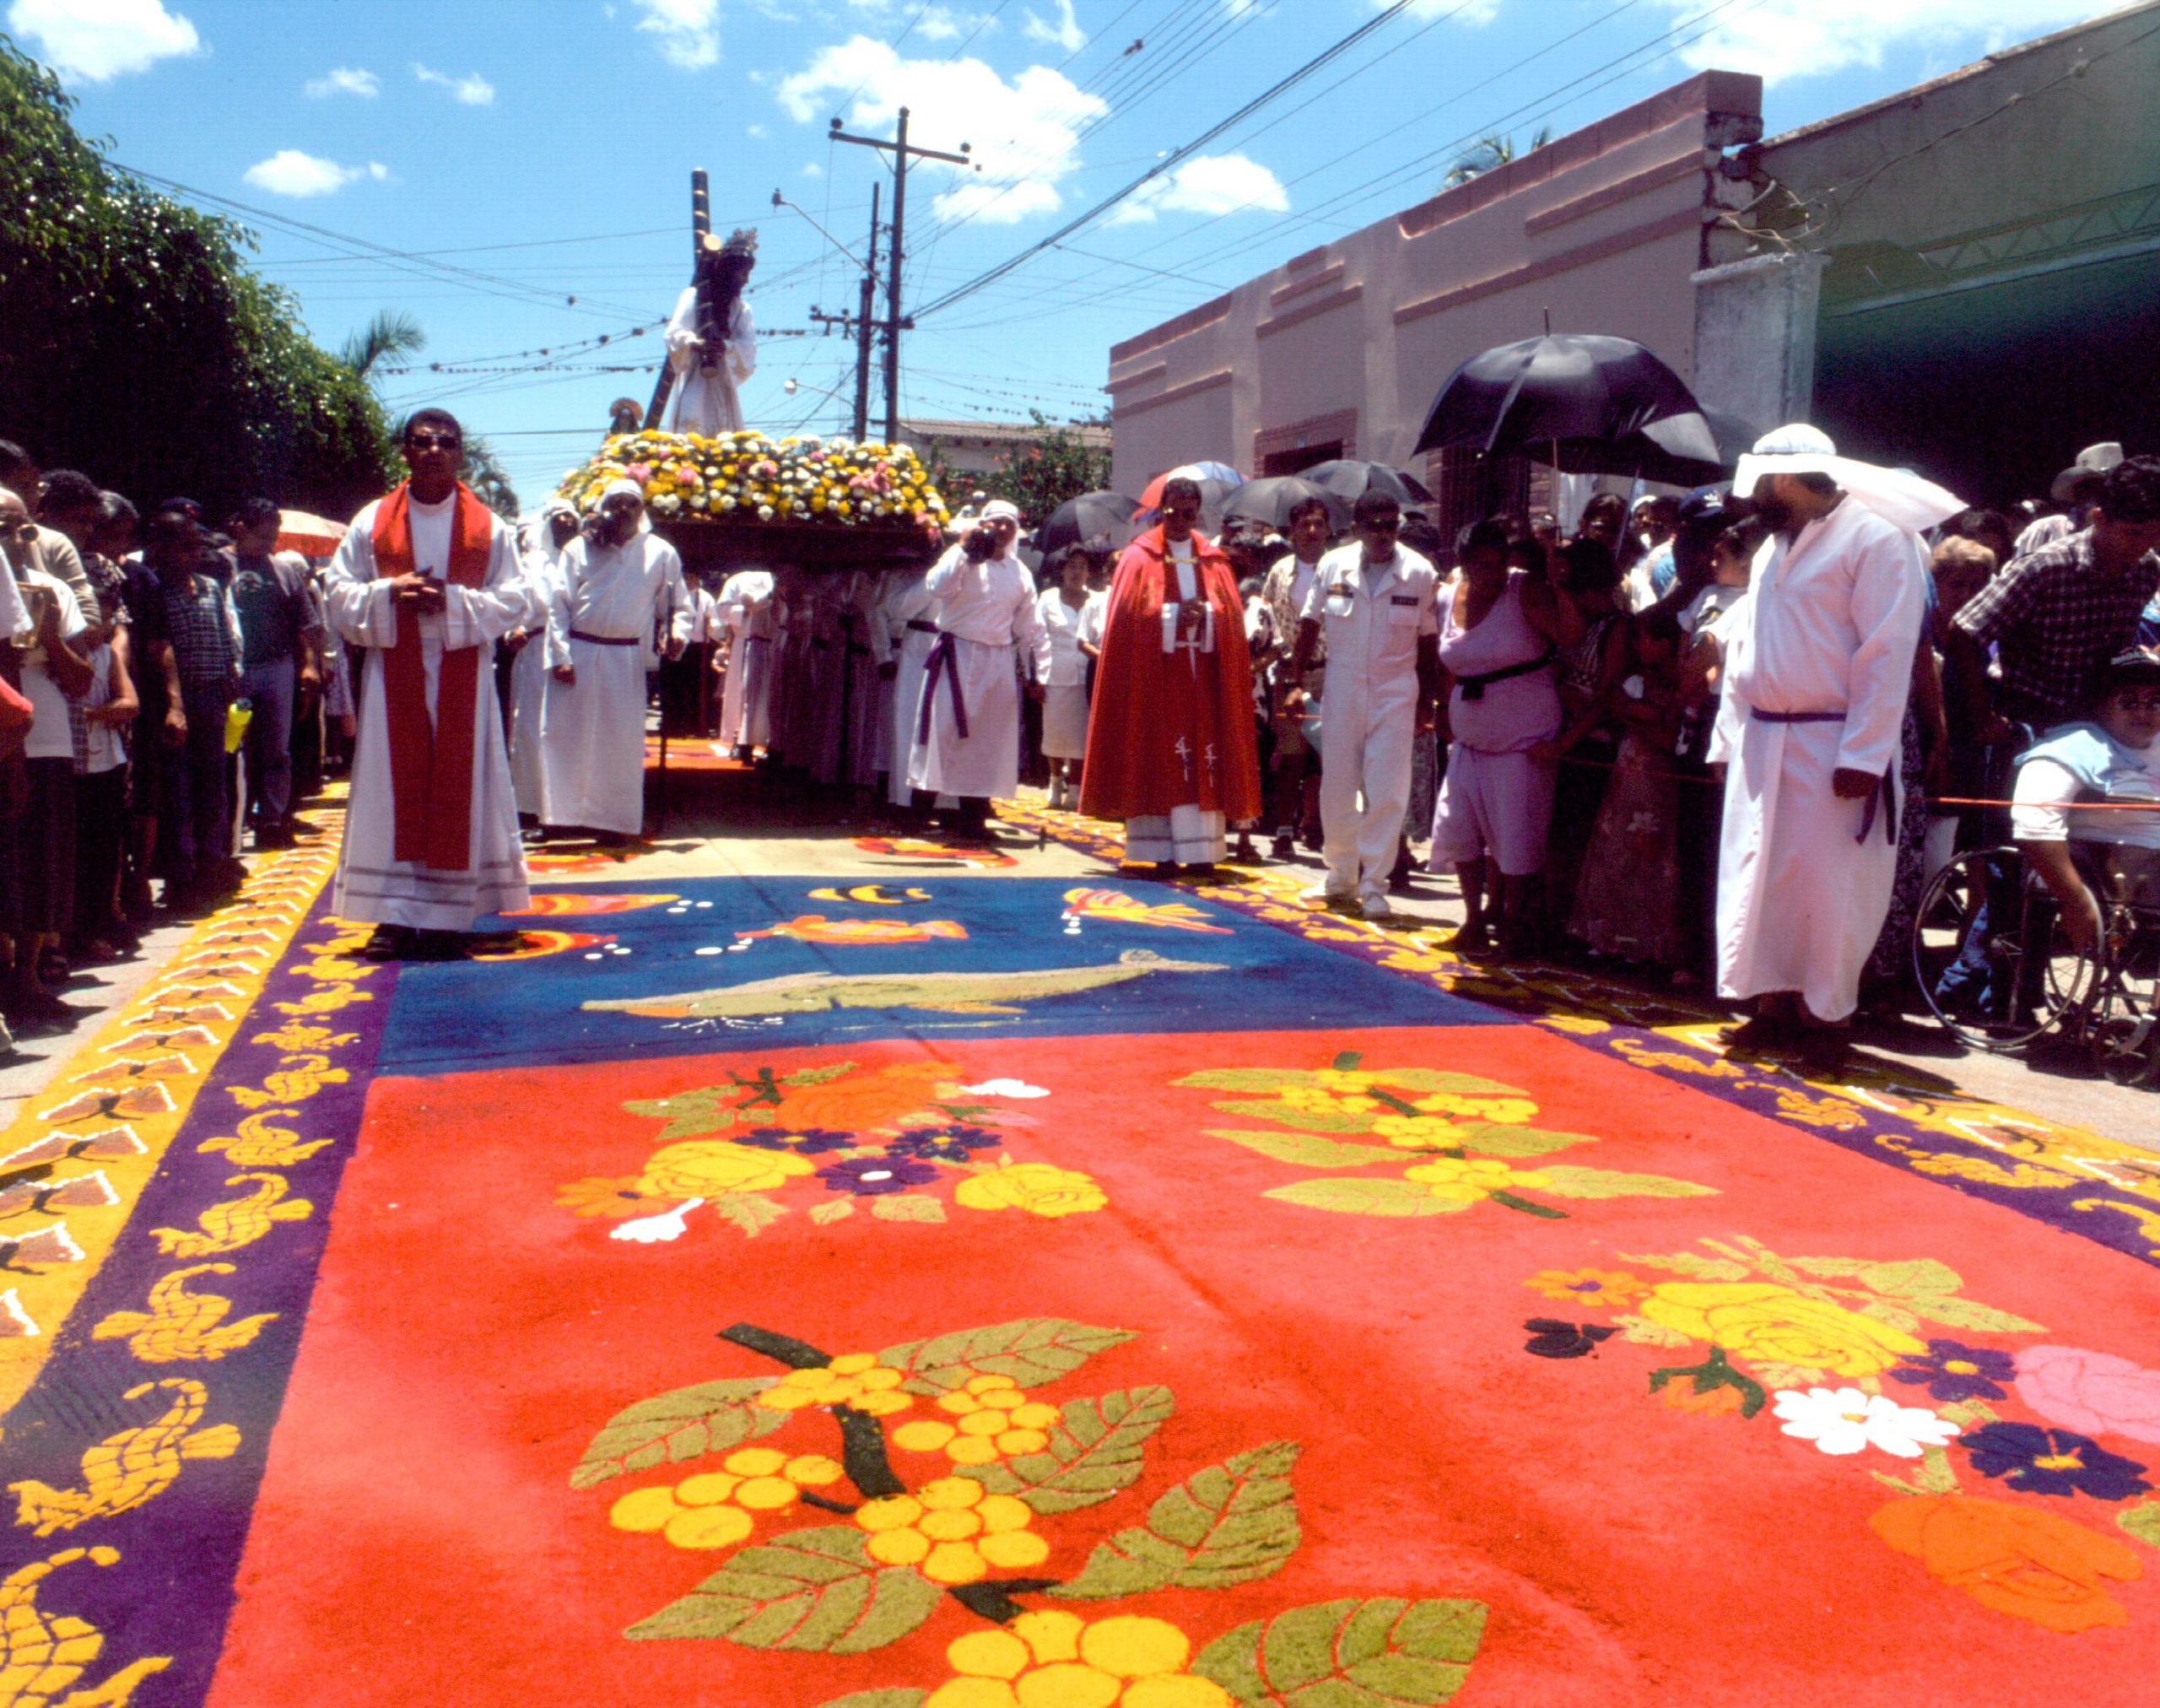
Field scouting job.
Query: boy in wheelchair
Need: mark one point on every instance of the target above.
(2114, 759)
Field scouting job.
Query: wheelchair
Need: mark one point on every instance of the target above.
(2000, 974)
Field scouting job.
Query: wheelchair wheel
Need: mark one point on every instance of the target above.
(2122, 1028)
(1990, 957)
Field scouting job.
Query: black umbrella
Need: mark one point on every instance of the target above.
(1106, 514)
(1647, 455)
(1271, 499)
(1524, 398)
(1348, 478)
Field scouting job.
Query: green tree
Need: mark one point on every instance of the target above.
(390, 335)
(137, 344)
(1057, 465)
(1488, 151)
(484, 473)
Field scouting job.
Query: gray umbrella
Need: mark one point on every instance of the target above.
(1272, 498)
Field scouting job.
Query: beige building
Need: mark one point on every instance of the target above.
(980, 447)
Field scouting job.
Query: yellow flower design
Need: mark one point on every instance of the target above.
(1040, 1188)
(856, 1380)
(1053, 1659)
(1762, 1320)
(714, 1508)
(952, 1531)
(995, 1417)
(1471, 1179)
(1417, 1131)
(704, 1168)
(1501, 1111)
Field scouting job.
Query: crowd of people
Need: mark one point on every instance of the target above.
(1694, 734)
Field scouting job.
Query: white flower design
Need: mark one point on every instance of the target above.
(1845, 1420)
(1005, 1088)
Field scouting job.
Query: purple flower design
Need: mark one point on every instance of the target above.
(1954, 1371)
(2053, 1462)
(810, 1140)
(873, 1176)
(944, 1143)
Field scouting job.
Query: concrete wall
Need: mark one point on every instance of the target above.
(1348, 342)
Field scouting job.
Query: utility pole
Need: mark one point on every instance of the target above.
(902, 153)
(863, 329)
(700, 228)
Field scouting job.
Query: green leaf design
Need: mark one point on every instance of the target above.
(832, 1210)
(1368, 1197)
(907, 1207)
(817, 1076)
(1430, 1079)
(1910, 1280)
(908, 1698)
(1833, 1268)
(1229, 1524)
(1690, 1263)
(1384, 1653)
(1496, 1138)
(1246, 1079)
(752, 1212)
(1308, 1150)
(1788, 1376)
(1304, 1120)
(1566, 1182)
(1966, 1313)
(689, 1114)
(709, 1418)
(2141, 1521)
(1030, 1349)
(1882, 1310)
(1094, 1452)
(818, 1590)
(1642, 1331)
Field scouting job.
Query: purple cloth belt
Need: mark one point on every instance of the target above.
(1881, 796)
(944, 662)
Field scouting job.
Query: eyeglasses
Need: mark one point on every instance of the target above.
(2134, 702)
(433, 441)
(1390, 526)
(22, 530)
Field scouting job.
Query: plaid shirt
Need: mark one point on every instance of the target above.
(2055, 621)
(197, 618)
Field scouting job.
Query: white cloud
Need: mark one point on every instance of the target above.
(1786, 39)
(1025, 132)
(1473, 13)
(688, 30)
(1062, 31)
(811, 168)
(95, 41)
(289, 172)
(1206, 184)
(346, 80)
(760, 131)
(474, 90)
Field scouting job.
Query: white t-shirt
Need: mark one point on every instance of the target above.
(105, 752)
(49, 739)
(2037, 816)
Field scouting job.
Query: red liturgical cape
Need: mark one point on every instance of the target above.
(1171, 729)
(431, 781)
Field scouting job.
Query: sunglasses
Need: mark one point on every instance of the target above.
(433, 441)
(22, 530)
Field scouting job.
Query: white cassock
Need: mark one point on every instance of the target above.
(983, 611)
(1372, 616)
(1828, 628)
(593, 731)
(746, 612)
(908, 620)
(528, 678)
(1064, 690)
(373, 885)
(704, 399)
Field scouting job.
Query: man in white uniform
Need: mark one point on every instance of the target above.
(528, 674)
(710, 370)
(621, 583)
(746, 609)
(1818, 662)
(1376, 605)
(424, 581)
(967, 729)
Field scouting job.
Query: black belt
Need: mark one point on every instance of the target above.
(604, 640)
(1880, 795)
(921, 627)
(1474, 686)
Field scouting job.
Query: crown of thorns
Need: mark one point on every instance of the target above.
(741, 241)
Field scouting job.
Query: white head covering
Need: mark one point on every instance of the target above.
(1000, 507)
(624, 488)
(539, 536)
(1896, 494)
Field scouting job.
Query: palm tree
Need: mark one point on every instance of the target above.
(391, 334)
(1488, 152)
(484, 473)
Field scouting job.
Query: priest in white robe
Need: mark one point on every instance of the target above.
(544, 541)
(711, 368)
(1818, 661)
(426, 580)
(621, 585)
(746, 611)
(967, 731)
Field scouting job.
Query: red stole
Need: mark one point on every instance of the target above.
(1165, 730)
(431, 779)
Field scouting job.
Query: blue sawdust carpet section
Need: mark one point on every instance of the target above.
(1024, 968)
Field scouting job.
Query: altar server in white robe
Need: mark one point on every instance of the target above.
(967, 732)
(621, 584)
(542, 555)
(746, 611)
(908, 620)
(1818, 662)
(1061, 608)
(709, 372)
(425, 581)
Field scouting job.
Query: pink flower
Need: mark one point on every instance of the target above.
(640, 471)
(2093, 1393)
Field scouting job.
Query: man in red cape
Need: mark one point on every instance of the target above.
(1171, 746)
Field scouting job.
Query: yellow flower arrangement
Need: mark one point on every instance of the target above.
(1040, 1188)
(736, 476)
(952, 1531)
(1469, 1180)
(714, 1509)
(1762, 1320)
(704, 1168)
(993, 1418)
(856, 1380)
(1054, 1659)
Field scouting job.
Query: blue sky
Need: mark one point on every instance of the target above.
(511, 158)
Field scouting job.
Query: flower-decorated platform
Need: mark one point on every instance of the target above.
(952, 1288)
